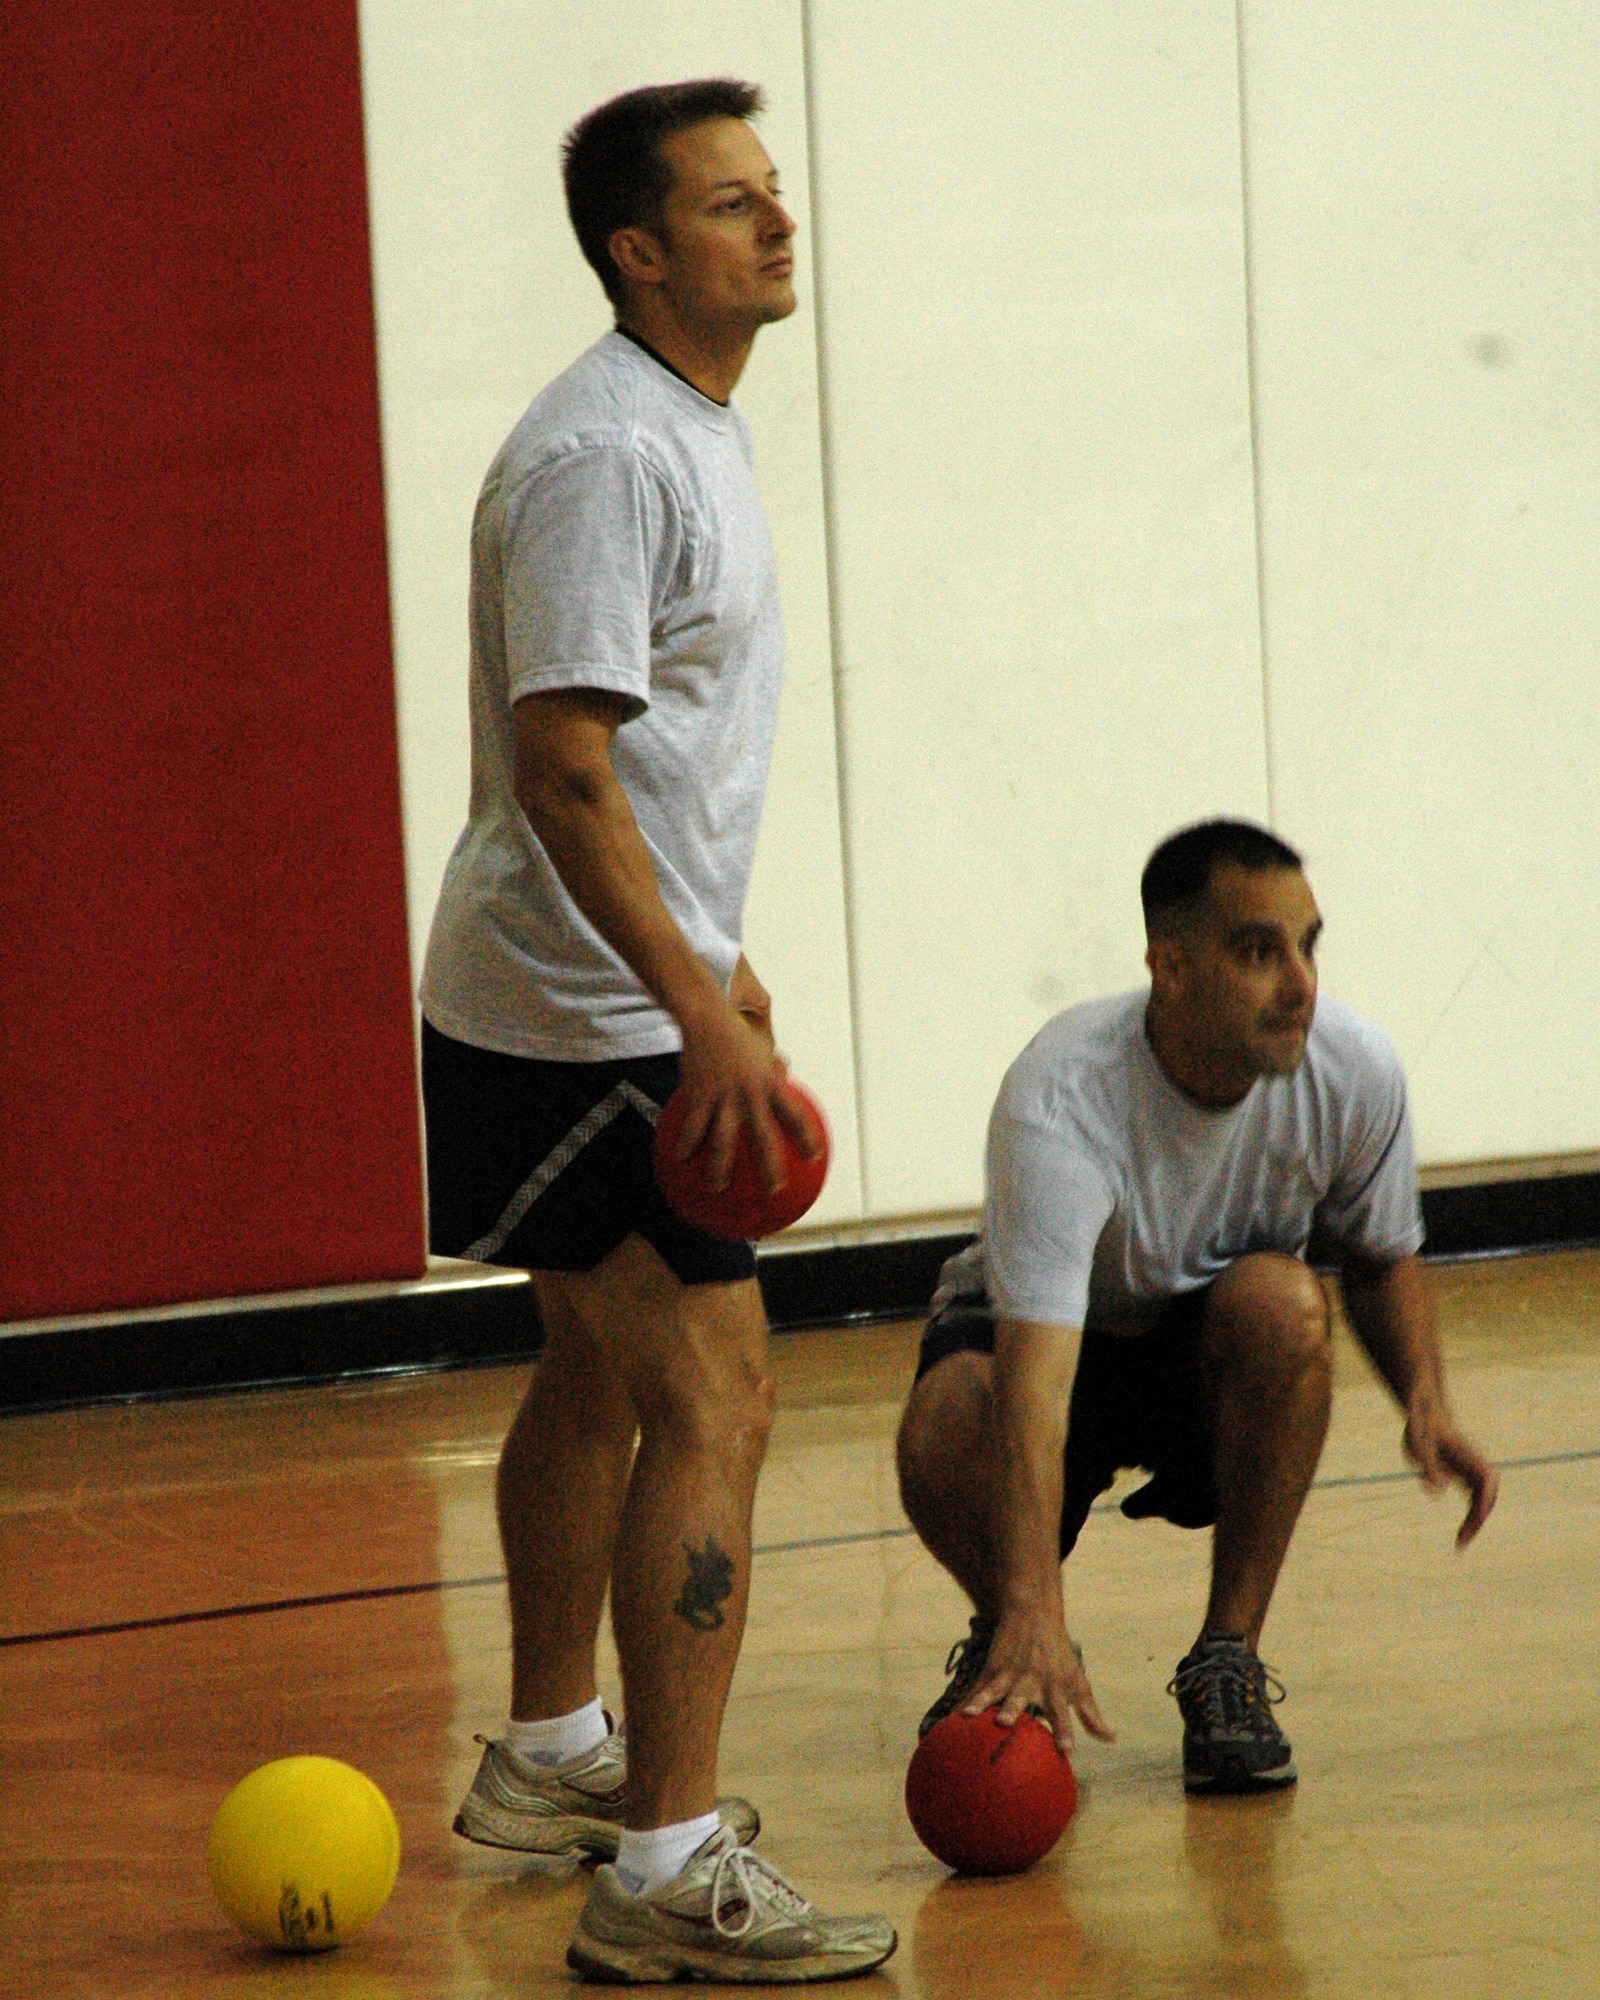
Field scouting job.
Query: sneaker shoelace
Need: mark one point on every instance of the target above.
(1235, 1691)
(967, 1659)
(747, 1867)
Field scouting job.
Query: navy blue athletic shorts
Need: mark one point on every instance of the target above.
(1136, 1400)
(546, 1165)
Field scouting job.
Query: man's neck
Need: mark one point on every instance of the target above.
(707, 360)
(1189, 1066)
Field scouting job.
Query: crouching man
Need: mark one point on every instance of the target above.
(1156, 1166)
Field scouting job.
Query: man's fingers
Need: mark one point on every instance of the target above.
(1009, 1690)
(695, 1126)
(992, 1688)
(1011, 1700)
(721, 1139)
(1485, 1492)
(1059, 1704)
(1091, 1718)
(1013, 1696)
(716, 1123)
(794, 1117)
(1081, 1696)
(769, 1145)
(1422, 1448)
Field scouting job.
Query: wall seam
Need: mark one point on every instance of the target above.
(835, 633)
(1251, 385)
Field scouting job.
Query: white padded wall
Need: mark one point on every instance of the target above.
(1424, 198)
(1034, 351)
(1033, 324)
(482, 297)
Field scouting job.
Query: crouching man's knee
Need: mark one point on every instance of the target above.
(1268, 1316)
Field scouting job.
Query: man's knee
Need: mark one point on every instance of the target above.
(946, 1418)
(706, 1397)
(1269, 1312)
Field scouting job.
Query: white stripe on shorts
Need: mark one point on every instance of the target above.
(589, 1126)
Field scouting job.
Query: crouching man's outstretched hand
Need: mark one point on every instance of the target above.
(1443, 1454)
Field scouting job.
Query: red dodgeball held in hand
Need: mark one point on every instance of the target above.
(746, 1208)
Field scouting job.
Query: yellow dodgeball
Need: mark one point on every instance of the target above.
(303, 1853)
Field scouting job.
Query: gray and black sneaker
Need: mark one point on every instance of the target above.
(967, 1659)
(1231, 1743)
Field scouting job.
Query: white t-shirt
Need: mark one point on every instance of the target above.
(1109, 1191)
(619, 543)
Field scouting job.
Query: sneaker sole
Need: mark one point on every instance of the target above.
(1235, 1780)
(562, 1835)
(662, 1965)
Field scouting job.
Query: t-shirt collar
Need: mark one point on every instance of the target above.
(639, 341)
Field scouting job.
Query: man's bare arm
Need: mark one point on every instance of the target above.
(1391, 1309)
(1031, 1660)
(577, 808)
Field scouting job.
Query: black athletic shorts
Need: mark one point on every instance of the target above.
(1136, 1400)
(546, 1165)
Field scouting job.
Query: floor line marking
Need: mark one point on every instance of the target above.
(381, 1591)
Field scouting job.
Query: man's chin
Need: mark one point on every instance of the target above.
(1281, 1054)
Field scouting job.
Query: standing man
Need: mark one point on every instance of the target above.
(1156, 1167)
(585, 958)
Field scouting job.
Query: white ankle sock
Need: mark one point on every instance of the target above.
(563, 1736)
(647, 1860)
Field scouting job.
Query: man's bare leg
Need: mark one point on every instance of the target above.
(946, 1457)
(689, 1362)
(559, 1495)
(1266, 1359)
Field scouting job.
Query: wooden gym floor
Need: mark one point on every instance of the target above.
(1444, 1841)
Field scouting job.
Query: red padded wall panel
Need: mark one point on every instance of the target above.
(206, 1071)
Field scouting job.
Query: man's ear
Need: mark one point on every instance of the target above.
(637, 254)
(1168, 963)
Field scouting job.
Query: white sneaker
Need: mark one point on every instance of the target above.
(729, 1918)
(574, 1808)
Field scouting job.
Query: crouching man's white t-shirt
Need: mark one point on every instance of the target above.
(1109, 1191)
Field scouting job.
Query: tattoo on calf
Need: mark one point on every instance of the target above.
(710, 1580)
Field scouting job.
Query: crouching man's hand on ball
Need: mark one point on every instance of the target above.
(1033, 1664)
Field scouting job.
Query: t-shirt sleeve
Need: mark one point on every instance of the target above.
(1048, 1199)
(1372, 1208)
(592, 543)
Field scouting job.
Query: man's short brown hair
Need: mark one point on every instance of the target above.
(612, 164)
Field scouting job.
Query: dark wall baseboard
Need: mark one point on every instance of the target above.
(1495, 1217)
(299, 1340)
(460, 1324)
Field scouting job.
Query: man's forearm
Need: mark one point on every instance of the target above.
(1033, 1373)
(586, 825)
(577, 809)
(1391, 1309)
